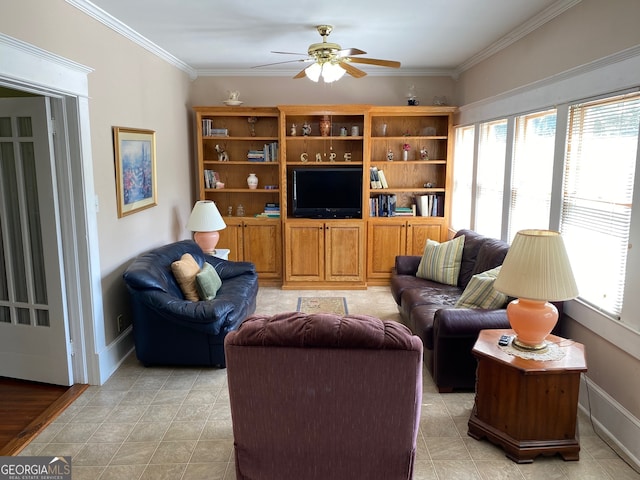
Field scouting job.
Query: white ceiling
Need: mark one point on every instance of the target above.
(210, 37)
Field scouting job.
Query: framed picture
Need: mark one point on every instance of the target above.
(135, 156)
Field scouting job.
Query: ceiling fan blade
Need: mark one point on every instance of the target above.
(375, 61)
(290, 53)
(301, 74)
(287, 61)
(351, 70)
(347, 52)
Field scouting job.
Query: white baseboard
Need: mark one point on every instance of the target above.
(114, 354)
(616, 424)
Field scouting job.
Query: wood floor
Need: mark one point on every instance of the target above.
(28, 407)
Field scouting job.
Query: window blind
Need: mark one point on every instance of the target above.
(600, 166)
(462, 177)
(532, 172)
(492, 148)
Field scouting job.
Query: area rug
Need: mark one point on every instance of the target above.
(336, 305)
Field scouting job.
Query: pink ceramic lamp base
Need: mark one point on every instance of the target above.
(532, 320)
(207, 241)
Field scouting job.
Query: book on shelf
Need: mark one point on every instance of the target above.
(431, 205)
(374, 178)
(211, 178)
(209, 131)
(271, 210)
(383, 179)
(405, 212)
(269, 153)
(383, 205)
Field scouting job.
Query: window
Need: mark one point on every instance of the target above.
(492, 147)
(532, 172)
(602, 143)
(462, 178)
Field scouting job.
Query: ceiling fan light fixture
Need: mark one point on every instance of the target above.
(332, 72)
(313, 72)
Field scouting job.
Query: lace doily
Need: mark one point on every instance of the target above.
(552, 352)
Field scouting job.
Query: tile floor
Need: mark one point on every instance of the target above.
(175, 423)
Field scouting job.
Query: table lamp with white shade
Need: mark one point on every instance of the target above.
(536, 271)
(205, 221)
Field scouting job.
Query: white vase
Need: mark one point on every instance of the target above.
(405, 155)
(252, 181)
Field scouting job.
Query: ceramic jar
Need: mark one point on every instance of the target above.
(325, 126)
(252, 181)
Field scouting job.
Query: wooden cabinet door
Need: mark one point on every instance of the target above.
(231, 238)
(304, 254)
(417, 235)
(384, 242)
(262, 246)
(344, 252)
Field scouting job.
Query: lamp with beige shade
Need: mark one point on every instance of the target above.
(536, 270)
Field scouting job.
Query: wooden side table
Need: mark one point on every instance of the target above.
(528, 407)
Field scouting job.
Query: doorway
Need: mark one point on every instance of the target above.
(26, 68)
(34, 333)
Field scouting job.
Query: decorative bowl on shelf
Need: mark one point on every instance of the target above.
(232, 103)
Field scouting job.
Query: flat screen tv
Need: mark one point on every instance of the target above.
(327, 192)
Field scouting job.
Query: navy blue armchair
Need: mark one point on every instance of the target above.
(170, 330)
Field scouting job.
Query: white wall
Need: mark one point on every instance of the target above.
(271, 91)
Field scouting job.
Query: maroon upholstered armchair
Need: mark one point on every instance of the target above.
(324, 396)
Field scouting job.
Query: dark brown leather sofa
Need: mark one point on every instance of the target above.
(448, 333)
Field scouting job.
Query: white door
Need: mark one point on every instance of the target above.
(34, 336)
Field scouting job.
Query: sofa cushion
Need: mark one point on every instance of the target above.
(480, 292)
(472, 243)
(185, 271)
(208, 282)
(490, 255)
(430, 293)
(441, 261)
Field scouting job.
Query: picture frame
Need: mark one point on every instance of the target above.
(136, 176)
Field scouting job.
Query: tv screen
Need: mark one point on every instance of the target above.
(327, 192)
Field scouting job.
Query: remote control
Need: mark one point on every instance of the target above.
(504, 340)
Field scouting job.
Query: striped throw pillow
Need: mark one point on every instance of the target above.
(480, 292)
(441, 261)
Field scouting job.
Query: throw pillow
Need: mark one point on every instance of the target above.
(480, 292)
(208, 282)
(185, 271)
(441, 261)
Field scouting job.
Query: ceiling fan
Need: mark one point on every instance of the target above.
(331, 61)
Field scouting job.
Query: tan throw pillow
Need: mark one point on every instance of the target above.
(441, 261)
(185, 271)
(480, 292)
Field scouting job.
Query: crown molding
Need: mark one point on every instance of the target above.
(20, 61)
(518, 33)
(127, 32)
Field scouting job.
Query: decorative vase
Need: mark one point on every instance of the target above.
(252, 181)
(405, 155)
(325, 126)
